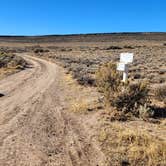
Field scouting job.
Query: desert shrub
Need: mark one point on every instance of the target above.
(128, 47)
(160, 93)
(127, 97)
(86, 80)
(137, 76)
(5, 58)
(17, 62)
(40, 50)
(108, 80)
(8, 60)
(113, 48)
(131, 97)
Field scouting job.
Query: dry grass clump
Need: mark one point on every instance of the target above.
(84, 106)
(79, 107)
(132, 146)
(143, 148)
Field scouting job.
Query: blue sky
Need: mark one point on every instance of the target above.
(41, 17)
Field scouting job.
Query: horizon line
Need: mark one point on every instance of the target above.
(77, 34)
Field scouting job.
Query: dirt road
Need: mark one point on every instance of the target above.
(35, 127)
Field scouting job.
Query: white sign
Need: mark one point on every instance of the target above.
(121, 67)
(126, 57)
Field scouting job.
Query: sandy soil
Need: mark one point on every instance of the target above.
(35, 127)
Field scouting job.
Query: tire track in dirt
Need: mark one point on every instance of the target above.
(35, 127)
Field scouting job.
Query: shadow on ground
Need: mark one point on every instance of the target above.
(159, 112)
(1, 95)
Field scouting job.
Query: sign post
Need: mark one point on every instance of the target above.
(125, 76)
(125, 59)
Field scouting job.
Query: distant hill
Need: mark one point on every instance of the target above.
(98, 37)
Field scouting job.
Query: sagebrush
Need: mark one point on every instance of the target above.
(125, 97)
(108, 81)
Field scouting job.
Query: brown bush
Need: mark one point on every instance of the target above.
(108, 80)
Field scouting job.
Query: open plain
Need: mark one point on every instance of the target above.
(51, 112)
